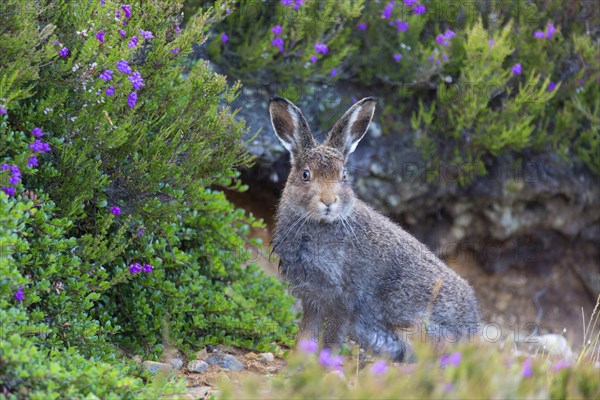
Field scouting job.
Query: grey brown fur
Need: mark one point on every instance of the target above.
(356, 273)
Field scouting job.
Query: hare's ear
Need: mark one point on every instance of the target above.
(350, 129)
(290, 126)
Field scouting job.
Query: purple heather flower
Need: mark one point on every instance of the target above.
(380, 367)
(527, 371)
(551, 86)
(64, 52)
(409, 3)
(450, 359)
(114, 210)
(102, 2)
(100, 36)
(278, 42)
(177, 30)
(5, 167)
(132, 99)
(33, 162)
(39, 147)
(110, 91)
(333, 72)
(118, 14)
(297, 4)
(321, 48)
(387, 11)
(57, 42)
(227, 11)
(539, 35)
(19, 295)
(430, 58)
(397, 57)
(449, 34)
(133, 42)
(122, 32)
(37, 132)
(287, 2)
(3, 111)
(491, 42)
(9, 190)
(441, 39)
(14, 179)
(123, 67)
(135, 268)
(314, 59)
(560, 364)
(140, 231)
(127, 9)
(136, 80)
(445, 57)
(176, 50)
(330, 361)
(124, 23)
(308, 346)
(419, 9)
(146, 34)
(401, 26)
(276, 30)
(147, 268)
(550, 30)
(361, 26)
(106, 75)
(224, 37)
(517, 69)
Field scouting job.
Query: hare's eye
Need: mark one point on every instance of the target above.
(306, 175)
(344, 175)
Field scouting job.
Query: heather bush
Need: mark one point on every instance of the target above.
(113, 240)
(471, 81)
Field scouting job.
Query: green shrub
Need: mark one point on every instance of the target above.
(107, 185)
(447, 70)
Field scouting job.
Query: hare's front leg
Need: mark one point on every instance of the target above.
(336, 329)
(310, 324)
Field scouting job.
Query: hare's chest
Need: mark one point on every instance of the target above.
(313, 262)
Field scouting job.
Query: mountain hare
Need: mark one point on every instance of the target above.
(356, 273)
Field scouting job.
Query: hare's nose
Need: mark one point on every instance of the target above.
(328, 201)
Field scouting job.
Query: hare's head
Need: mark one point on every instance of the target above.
(317, 185)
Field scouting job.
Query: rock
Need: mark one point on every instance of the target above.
(153, 367)
(266, 357)
(137, 359)
(197, 366)
(176, 363)
(226, 361)
(552, 344)
(197, 393)
(202, 354)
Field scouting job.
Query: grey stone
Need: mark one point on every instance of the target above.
(197, 393)
(153, 367)
(226, 361)
(266, 357)
(552, 344)
(176, 363)
(197, 366)
(137, 359)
